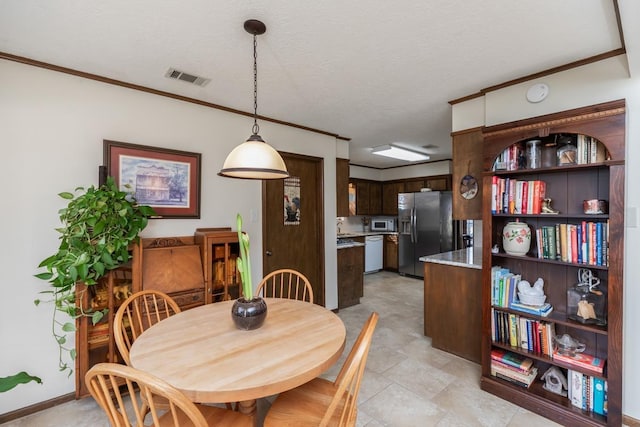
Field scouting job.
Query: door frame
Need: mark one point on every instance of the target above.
(319, 194)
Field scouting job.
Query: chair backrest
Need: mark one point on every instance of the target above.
(137, 313)
(286, 283)
(109, 384)
(348, 380)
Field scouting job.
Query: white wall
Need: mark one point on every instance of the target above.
(51, 131)
(590, 84)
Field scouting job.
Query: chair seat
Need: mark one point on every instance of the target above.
(215, 416)
(304, 405)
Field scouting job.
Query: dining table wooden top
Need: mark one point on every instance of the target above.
(202, 353)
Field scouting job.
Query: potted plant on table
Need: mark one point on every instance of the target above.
(98, 226)
(248, 312)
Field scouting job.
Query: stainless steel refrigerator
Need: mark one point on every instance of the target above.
(425, 227)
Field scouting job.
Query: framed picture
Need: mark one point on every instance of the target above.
(167, 180)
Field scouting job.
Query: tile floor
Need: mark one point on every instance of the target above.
(406, 383)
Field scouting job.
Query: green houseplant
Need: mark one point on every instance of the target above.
(98, 226)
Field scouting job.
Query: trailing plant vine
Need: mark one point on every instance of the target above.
(98, 226)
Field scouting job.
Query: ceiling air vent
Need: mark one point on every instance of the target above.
(172, 73)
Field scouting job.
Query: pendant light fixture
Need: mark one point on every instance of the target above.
(254, 159)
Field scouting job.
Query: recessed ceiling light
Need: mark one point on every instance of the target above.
(399, 153)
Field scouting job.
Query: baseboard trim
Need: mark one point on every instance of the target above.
(630, 422)
(36, 407)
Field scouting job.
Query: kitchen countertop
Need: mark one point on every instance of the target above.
(469, 258)
(345, 245)
(364, 234)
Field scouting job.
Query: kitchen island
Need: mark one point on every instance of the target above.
(452, 301)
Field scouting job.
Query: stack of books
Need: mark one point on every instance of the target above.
(516, 369)
(584, 243)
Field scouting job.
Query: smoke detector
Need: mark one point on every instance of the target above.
(172, 73)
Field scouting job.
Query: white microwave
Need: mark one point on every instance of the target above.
(383, 224)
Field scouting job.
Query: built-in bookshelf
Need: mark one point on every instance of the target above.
(572, 199)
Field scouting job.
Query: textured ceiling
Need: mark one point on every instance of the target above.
(375, 71)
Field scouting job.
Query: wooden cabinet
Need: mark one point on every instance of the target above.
(390, 191)
(94, 343)
(350, 275)
(368, 197)
(390, 253)
(173, 265)
(342, 187)
(568, 186)
(452, 315)
(438, 183)
(467, 160)
(412, 186)
(219, 251)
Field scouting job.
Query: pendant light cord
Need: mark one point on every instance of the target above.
(256, 128)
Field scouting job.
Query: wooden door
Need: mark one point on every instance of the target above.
(296, 244)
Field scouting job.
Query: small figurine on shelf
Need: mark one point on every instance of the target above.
(546, 207)
(555, 381)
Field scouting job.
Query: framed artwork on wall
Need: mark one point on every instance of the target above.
(165, 179)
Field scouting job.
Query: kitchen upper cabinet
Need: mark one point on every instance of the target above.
(467, 161)
(342, 187)
(390, 191)
(438, 183)
(368, 195)
(413, 186)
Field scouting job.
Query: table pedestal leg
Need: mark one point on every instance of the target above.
(248, 407)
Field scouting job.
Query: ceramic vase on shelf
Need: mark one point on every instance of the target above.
(516, 238)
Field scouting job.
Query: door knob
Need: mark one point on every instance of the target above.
(269, 253)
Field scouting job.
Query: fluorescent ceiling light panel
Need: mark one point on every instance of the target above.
(399, 153)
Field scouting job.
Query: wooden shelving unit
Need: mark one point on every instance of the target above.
(567, 186)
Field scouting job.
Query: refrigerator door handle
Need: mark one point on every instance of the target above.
(414, 234)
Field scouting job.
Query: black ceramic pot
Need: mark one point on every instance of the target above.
(249, 315)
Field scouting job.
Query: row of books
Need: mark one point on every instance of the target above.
(584, 243)
(589, 150)
(512, 158)
(504, 293)
(514, 368)
(521, 332)
(513, 196)
(587, 392)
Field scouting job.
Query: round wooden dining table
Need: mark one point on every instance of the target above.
(202, 353)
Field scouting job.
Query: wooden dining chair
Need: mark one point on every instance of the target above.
(286, 283)
(136, 314)
(110, 383)
(321, 402)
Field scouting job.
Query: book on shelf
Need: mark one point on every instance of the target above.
(543, 310)
(515, 360)
(582, 360)
(587, 392)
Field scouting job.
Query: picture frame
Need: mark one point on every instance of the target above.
(167, 180)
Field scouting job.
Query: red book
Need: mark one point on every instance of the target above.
(582, 360)
(574, 243)
(525, 197)
(536, 197)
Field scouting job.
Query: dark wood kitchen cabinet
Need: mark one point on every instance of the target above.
(350, 275)
(342, 187)
(368, 196)
(390, 191)
(390, 252)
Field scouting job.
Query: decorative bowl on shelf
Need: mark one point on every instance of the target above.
(532, 299)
